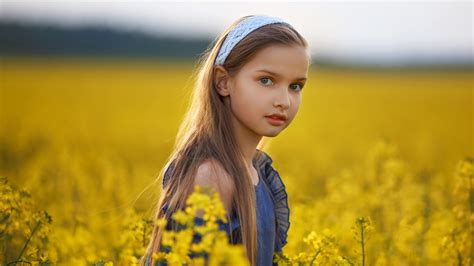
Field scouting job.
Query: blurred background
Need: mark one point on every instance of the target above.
(92, 94)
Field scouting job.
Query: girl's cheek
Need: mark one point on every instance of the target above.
(295, 102)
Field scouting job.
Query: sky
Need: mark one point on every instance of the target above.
(375, 31)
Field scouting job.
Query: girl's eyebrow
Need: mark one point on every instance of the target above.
(278, 75)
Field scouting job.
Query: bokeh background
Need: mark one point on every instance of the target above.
(92, 95)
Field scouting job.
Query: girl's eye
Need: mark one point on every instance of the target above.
(265, 79)
(268, 79)
(300, 88)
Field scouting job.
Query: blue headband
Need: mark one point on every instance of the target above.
(241, 30)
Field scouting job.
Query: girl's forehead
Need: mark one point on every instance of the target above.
(290, 61)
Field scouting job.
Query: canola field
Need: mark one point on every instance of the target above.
(378, 165)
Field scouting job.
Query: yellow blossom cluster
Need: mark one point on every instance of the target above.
(213, 247)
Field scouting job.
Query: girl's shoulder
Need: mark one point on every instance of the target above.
(212, 173)
(209, 173)
(262, 161)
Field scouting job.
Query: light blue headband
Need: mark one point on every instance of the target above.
(241, 30)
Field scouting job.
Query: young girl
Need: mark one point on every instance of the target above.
(248, 86)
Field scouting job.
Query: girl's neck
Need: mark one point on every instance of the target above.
(247, 141)
(249, 149)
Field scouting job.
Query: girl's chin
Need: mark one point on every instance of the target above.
(272, 133)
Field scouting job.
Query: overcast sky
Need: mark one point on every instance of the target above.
(391, 31)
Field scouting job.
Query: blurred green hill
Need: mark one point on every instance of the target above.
(28, 39)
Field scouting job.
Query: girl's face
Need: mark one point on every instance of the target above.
(269, 84)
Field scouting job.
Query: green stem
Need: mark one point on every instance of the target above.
(28, 240)
(362, 243)
(18, 261)
(314, 257)
(348, 261)
(144, 234)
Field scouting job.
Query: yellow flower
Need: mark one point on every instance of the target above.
(161, 222)
(182, 218)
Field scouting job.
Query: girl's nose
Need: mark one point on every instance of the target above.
(282, 100)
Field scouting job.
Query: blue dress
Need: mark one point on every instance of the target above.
(266, 227)
(272, 212)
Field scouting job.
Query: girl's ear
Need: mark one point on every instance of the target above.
(221, 80)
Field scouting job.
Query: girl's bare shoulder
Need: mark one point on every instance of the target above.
(211, 173)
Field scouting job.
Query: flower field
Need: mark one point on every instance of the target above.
(378, 165)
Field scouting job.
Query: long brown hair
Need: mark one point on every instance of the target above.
(206, 133)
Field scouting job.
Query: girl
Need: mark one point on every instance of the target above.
(248, 86)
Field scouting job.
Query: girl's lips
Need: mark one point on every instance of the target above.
(274, 121)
